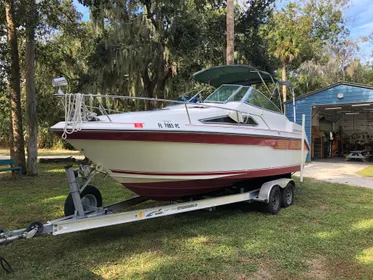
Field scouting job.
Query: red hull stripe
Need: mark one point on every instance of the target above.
(190, 137)
(256, 172)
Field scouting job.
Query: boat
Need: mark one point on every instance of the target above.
(194, 145)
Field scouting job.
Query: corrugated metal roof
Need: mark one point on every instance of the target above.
(329, 87)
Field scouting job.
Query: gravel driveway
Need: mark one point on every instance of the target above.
(338, 171)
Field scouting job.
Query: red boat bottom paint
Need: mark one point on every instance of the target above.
(177, 189)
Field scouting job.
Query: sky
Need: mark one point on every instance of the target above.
(358, 14)
(360, 18)
(82, 9)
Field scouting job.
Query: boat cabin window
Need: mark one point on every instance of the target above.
(246, 119)
(222, 94)
(256, 98)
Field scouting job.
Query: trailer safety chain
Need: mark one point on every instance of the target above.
(5, 265)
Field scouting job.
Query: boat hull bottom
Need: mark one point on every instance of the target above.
(169, 191)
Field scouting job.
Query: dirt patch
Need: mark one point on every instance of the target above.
(341, 268)
(317, 270)
(264, 272)
(241, 277)
(330, 207)
(244, 260)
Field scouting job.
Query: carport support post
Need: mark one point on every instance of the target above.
(74, 190)
(302, 149)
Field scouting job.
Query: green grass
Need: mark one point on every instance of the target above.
(327, 234)
(47, 152)
(367, 172)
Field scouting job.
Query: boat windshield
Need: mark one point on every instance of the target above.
(246, 94)
(222, 94)
(256, 98)
(194, 96)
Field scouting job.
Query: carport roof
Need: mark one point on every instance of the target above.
(329, 87)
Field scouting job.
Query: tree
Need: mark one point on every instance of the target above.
(5, 124)
(299, 32)
(250, 45)
(145, 43)
(230, 32)
(32, 122)
(286, 35)
(16, 131)
(339, 63)
(344, 53)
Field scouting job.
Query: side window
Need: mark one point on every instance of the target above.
(258, 99)
(227, 120)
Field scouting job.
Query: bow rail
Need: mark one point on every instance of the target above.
(80, 108)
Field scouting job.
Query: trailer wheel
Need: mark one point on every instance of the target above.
(274, 203)
(38, 225)
(91, 197)
(287, 196)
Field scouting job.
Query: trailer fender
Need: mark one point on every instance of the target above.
(266, 188)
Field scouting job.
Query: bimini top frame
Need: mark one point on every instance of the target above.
(232, 74)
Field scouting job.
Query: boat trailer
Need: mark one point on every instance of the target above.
(88, 214)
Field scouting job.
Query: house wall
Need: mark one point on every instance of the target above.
(329, 96)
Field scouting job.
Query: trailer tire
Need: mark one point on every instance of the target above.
(274, 202)
(33, 225)
(90, 196)
(287, 196)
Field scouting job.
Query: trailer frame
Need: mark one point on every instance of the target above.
(87, 217)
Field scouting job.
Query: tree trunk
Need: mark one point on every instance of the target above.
(15, 88)
(11, 137)
(32, 121)
(164, 72)
(161, 72)
(230, 32)
(149, 86)
(284, 87)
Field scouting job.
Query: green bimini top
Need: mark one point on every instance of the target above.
(232, 74)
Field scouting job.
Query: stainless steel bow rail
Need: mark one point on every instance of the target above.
(89, 214)
(79, 108)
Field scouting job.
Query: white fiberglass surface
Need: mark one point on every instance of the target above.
(145, 156)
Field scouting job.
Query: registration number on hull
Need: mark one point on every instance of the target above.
(169, 125)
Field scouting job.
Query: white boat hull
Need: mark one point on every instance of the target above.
(183, 165)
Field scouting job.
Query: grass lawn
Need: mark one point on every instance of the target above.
(367, 172)
(327, 234)
(47, 152)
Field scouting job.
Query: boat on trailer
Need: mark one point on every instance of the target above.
(196, 146)
(233, 146)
